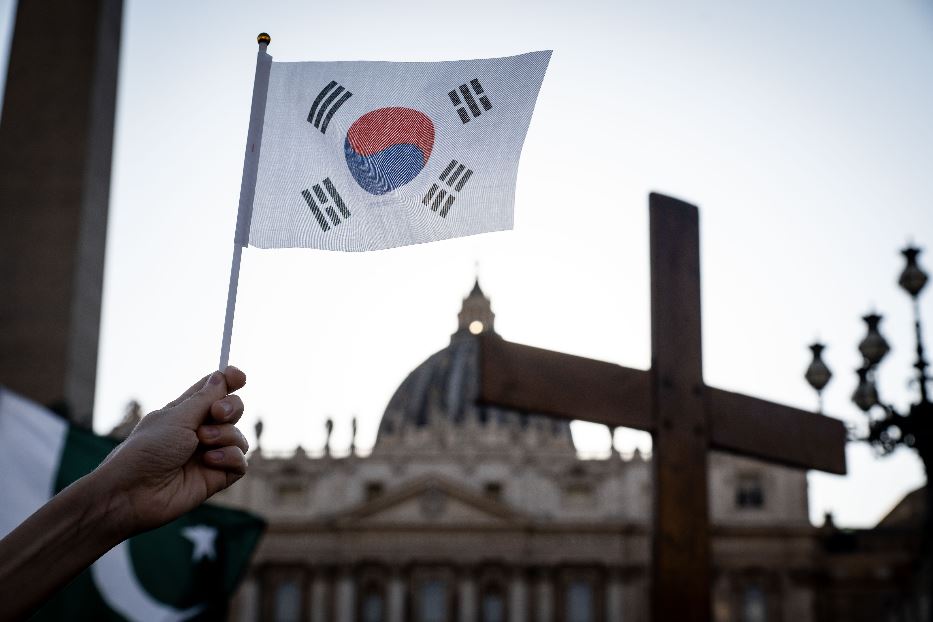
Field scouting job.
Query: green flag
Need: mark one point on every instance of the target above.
(185, 570)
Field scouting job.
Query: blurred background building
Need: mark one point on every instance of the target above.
(467, 512)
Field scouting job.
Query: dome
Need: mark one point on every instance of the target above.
(436, 405)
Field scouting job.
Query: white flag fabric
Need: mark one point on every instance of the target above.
(358, 156)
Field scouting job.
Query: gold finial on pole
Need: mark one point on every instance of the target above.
(264, 38)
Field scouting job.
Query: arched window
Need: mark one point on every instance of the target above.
(492, 604)
(432, 601)
(579, 602)
(287, 602)
(371, 596)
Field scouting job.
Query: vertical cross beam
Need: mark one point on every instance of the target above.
(681, 438)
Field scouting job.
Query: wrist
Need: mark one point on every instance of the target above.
(58, 541)
(108, 512)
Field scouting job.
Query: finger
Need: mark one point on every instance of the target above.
(195, 409)
(222, 436)
(235, 378)
(228, 458)
(188, 392)
(228, 409)
(218, 479)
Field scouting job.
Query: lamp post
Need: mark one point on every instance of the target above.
(889, 428)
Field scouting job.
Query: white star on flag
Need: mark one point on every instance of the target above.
(203, 538)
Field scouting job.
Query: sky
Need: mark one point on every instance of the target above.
(801, 130)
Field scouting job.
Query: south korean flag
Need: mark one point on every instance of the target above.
(358, 156)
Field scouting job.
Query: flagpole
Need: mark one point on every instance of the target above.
(247, 186)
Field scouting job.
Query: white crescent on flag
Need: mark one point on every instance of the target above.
(118, 585)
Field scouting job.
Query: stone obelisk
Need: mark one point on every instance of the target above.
(56, 146)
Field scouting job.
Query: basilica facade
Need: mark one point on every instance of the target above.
(465, 512)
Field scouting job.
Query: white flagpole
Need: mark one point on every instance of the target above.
(247, 186)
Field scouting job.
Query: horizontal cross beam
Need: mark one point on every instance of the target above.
(536, 380)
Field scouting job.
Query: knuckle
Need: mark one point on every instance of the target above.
(208, 433)
(233, 407)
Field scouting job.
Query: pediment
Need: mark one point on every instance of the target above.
(431, 501)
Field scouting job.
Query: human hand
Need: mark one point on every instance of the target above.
(178, 456)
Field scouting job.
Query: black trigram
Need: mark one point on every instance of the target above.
(324, 107)
(325, 203)
(470, 100)
(456, 175)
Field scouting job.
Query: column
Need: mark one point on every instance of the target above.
(518, 597)
(345, 597)
(635, 596)
(395, 606)
(307, 593)
(245, 604)
(544, 596)
(614, 596)
(321, 588)
(467, 588)
(722, 596)
(797, 596)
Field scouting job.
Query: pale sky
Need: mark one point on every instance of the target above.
(801, 129)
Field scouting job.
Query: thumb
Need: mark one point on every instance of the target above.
(196, 407)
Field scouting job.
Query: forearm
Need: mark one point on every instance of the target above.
(83, 521)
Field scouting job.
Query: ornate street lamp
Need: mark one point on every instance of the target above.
(818, 374)
(912, 279)
(889, 429)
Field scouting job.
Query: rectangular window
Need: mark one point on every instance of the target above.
(754, 607)
(580, 602)
(493, 607)
(432, 605)
(373, 609)
(287, 605)
(749, 491)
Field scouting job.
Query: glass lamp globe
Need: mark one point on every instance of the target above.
(873, 347)
(818, 374)
(913, 278)
(866, 395)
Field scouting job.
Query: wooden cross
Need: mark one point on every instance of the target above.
(685, 417)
